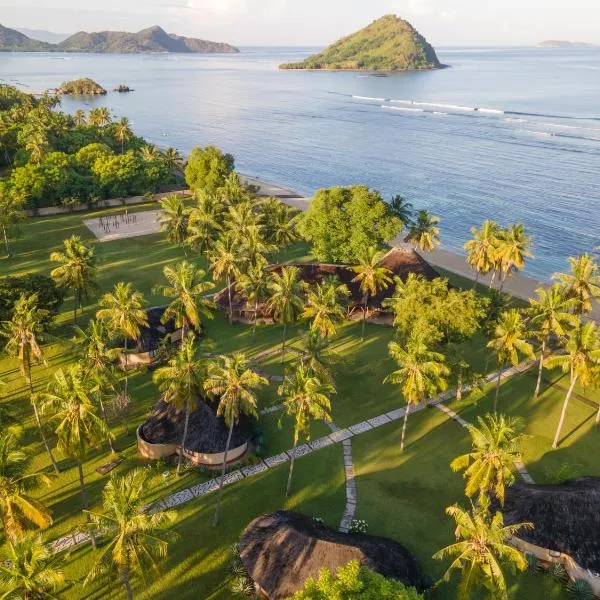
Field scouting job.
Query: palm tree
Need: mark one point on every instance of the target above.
(187, 287)
(582, 360)
(18, 510)
(137, 538)
(512, 250)
(482, 249)
(489, 466)
(481, 551)
(582, 283)
(36, 144)
(550, 315)
(31, 570)
(253, 246)
(174, 219)
(79, 118)
(122, 310)
(424, 232)
(305, 397)
(123, 132)
(21, 333)
(172, 159)
(11, 214)
(278, 222)
(149, 153)
(77, 270)
(181, 383)
(239, 218)
(254, 286)
(233, 384)
(325, 306)
(371, 278)
(508, 343)
(402, 208)
(204, 224)
(100, 117)
(69, 401)
(317, 356)
(224, 261)
(421, 374)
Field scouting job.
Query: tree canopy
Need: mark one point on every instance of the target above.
(208, 169)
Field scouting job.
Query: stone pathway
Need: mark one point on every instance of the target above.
(337, 436)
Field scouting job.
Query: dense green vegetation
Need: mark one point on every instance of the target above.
(387, 44)
(81, 87)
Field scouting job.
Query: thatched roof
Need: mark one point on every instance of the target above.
(282, 550)
(151, 336)
(566, 517)
(400, 261)
(207, 433)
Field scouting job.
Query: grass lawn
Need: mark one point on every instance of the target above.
(401, 495)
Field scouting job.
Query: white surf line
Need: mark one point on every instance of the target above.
(337, 436)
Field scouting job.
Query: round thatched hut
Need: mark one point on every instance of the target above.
(282, 550)
(160, 436)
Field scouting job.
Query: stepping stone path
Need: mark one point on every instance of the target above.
(336, 436)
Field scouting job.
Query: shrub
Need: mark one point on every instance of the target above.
(358, 526)
(50, 297)
(580, 589)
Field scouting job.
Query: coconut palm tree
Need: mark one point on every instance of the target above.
(421, 374)
(204, 224)
(239, 218)
(549, 315)
(99, 117)
(22, 341)
(490, 465)
(188, 288)
(254, 286)
(37, 144)
(76, 271)
(253, 246)
(233, 192)
(69, 401)
(172, 159)
(278, 223)
(31, 570)
(224, 262)
(317, 356)
(18, 510)
(122, 310)
(11, 214)
(325, 306)
(482, 249)
(149, 153)
(582, 283)
(371, 278)
(234, 385)
(136, 538)
(181, 383)
(79, 118)
(306, 398)
(581, 361)
(509, 343)
(174, 219)
(402, 209)
(482, 552)
(123, 132)
(513, 249)
(424, 232)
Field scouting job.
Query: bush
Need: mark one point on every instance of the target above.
(580, 589)
(208, 169)
(50, 296)
(359, 526)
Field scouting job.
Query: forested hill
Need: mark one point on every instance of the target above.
(153, 39)
(388, 44)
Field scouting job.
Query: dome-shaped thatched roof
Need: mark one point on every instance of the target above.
(566, 517)
(282, 550)
(207, 433)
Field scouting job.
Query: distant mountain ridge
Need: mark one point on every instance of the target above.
(152, 39)
(564, 44)
(42, 35)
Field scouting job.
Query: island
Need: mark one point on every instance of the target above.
(81, 87)
(150, 40)
(122, 88)
(564, 44)
(388, 44)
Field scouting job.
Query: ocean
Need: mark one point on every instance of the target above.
(511, 134)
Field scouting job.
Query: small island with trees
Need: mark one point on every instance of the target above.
(81, 87)
(388, 44)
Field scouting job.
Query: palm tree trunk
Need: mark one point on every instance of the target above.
(362, 334)
(39, 423)
(540, 371)
(289, 481)
(6, 244)
(404, 427)
(492, 279)
(283, 343)
(184, 438)
(229, 295)
(459, 387)
(255, 318)
(503, 279)
(84, 496)
(103, 412)
(126, 365)
(598, 415)
(125, 580)
(476, 280)
(217, 510)
(498, 378)
(183, 331)
(564, 412)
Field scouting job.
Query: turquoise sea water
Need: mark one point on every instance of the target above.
(509, 134)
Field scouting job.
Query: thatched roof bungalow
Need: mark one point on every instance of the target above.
(400, 261)
(282, 550)
(566, 517)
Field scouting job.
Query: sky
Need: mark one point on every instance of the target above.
(317, 22)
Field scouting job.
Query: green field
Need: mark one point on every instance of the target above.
(402, 495)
